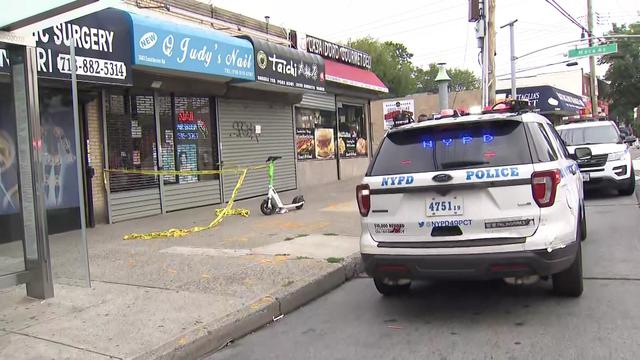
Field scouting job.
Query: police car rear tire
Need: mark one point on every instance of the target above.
(391, 288)
(569, 282)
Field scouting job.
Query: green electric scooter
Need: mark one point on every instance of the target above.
(272, 203)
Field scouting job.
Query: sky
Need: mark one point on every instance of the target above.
(438, 31)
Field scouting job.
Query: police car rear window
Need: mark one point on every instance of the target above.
(451, 147)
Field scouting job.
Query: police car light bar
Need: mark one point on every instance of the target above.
(508, 106)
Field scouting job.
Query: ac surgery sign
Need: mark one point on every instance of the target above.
(102, 44)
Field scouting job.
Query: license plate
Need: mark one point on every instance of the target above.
(445, 206)
(586, 176)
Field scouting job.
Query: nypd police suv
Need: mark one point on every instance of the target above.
(606, 162)
(474, 197)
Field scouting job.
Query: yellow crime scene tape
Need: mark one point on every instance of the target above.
(220, 213)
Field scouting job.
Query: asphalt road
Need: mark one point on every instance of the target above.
(478, 320)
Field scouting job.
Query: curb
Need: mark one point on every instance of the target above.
(214, 336)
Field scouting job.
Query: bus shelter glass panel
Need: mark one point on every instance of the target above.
(12, 257)
(64, 190)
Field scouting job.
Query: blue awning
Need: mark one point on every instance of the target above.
(548, 99)
(174, 46)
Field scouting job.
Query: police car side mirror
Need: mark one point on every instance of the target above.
(582, 153)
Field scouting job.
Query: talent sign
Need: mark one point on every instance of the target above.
(338, 52)
(103, 51)
(279, 65)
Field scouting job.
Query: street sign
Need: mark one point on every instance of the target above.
(594, 50)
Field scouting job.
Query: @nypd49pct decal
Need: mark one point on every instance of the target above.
(438, 223)
(509, 223)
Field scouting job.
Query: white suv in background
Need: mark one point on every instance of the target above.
(474, 197)
(609, 164)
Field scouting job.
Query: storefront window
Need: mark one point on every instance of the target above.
(131, 140)
(194, 137)
(315, 134)
(353, 132)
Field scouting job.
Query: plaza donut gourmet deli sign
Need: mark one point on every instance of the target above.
(338, 52)
(103, 51)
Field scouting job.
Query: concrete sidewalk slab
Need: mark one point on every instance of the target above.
(128, 320)
(313, 246)
(21, 347)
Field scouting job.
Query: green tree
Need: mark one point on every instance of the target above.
(461, 79)
(623, 73)
(391, 61)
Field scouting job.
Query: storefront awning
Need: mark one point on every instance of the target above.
(353, 76)
(548, 99)
(175, 46)
(285, 68)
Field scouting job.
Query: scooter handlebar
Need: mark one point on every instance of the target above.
(273, 158)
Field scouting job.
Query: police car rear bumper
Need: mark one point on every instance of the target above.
(471, 266)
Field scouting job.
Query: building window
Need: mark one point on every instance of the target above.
(131, 136)
(187, 139)
(315, 134)
(353, 131)
(194, 137)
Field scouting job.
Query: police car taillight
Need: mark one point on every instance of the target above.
(544, 185)
(363, 196)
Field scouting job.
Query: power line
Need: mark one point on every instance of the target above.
(424, 27)
(386, 19)
(566, 14)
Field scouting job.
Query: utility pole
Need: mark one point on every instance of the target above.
(491, 50)
(513, 56)
(592, 63)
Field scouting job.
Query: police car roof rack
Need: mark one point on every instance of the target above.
(510, 106)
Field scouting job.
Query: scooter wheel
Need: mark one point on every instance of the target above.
(266, 209)
(299, 199)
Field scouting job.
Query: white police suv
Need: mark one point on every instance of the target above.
(605, 160)
(473, 197)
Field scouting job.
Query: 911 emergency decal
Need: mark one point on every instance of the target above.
(509, 223)
(389, 228)
(497, 173)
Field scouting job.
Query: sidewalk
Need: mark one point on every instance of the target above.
(183, 297)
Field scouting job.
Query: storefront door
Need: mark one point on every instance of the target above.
(184, 126)
(131, 145)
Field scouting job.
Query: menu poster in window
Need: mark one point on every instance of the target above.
(136, 157)
(347, 146)
(136, 130)
(187, 160)
(361, 147)
(396, 113)
(324, 143)
(305, 143)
